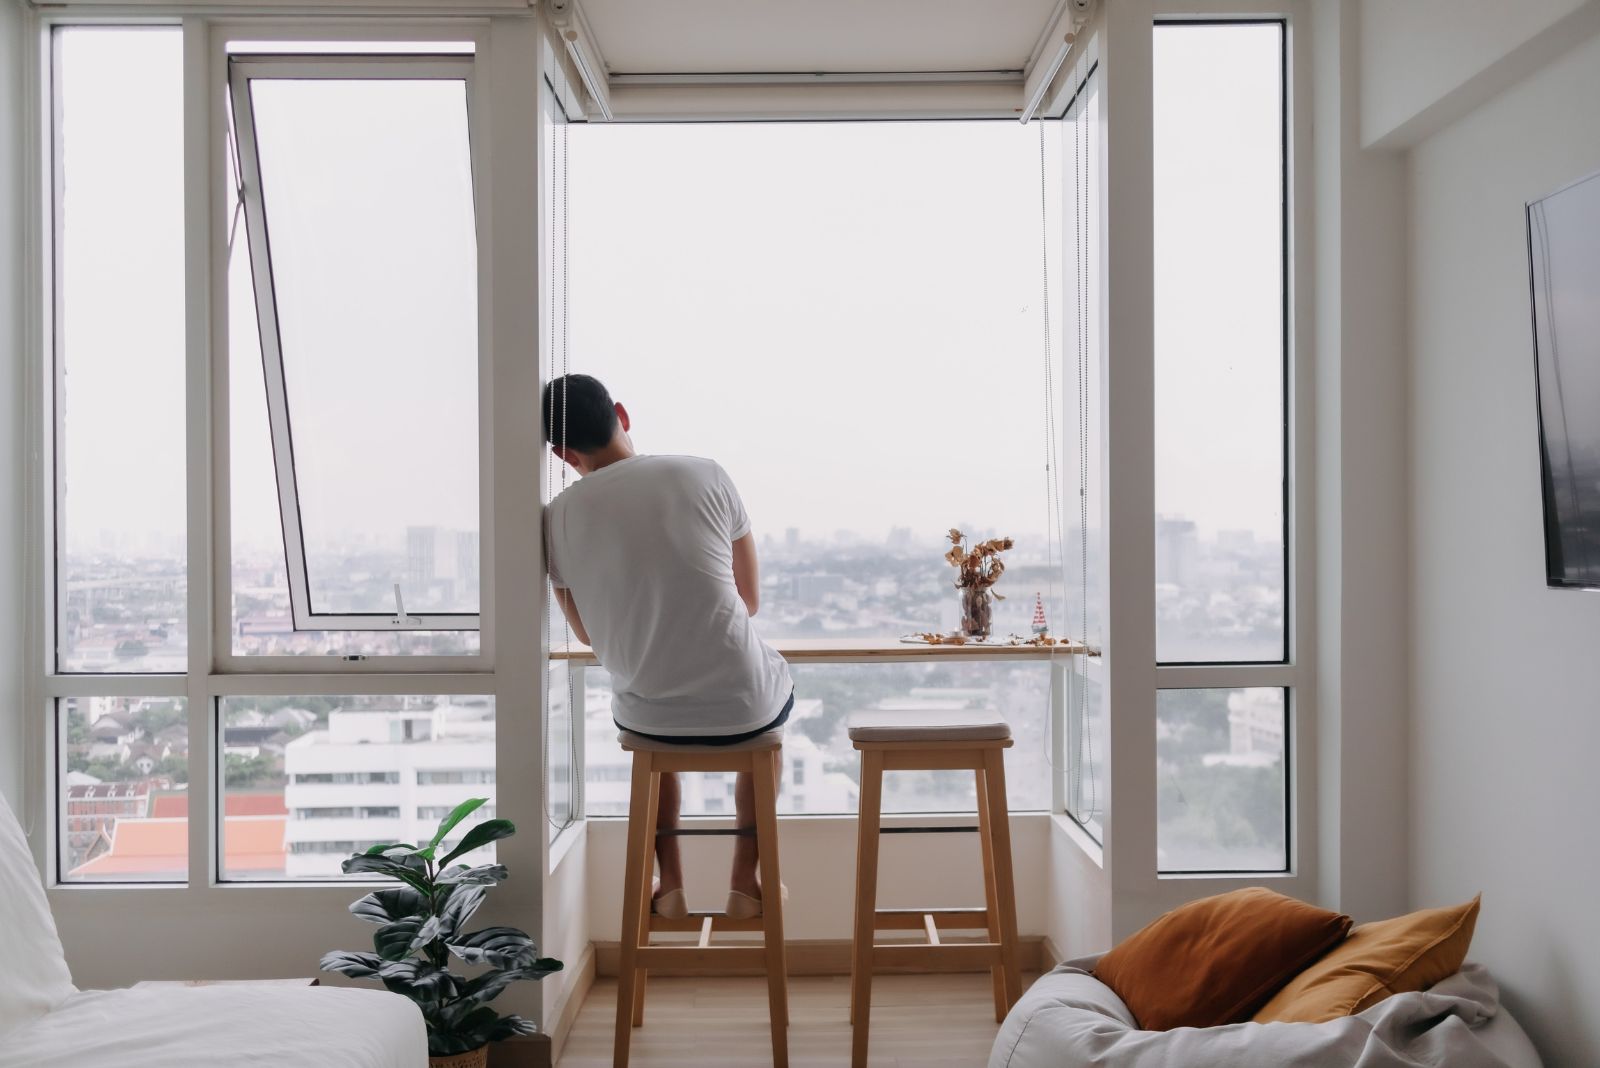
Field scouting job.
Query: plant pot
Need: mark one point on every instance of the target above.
(477, 1058)
(977, 610)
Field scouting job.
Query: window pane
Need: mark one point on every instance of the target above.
(1222, 788)
(120, 342)
(263, 621)
(822, 771)
(125, 800)
(367, 187)
(1219, 342)
(560, 783)
(1088, 787)
(309, 780)
(1082, 475)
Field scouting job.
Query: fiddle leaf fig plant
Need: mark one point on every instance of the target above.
(422, 924)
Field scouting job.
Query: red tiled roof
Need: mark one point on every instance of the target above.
(158, 846)
(176, 806)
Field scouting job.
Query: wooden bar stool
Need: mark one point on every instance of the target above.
(936, 742)
(760, 756)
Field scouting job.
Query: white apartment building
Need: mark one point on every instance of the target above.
(384, 774)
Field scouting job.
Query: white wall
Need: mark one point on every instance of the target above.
(1429, 61)
(11, 429)
(1506, 680)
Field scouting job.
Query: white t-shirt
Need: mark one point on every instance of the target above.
(646, 547)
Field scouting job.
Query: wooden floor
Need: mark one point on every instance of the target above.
(918, 1021)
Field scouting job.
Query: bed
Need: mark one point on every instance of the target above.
(46, 1022)
(1070, 1018)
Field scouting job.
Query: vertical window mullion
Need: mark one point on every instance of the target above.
(200, 211)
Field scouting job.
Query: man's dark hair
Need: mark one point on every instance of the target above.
(578, 413)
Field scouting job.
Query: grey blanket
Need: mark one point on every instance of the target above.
(1069, 1018)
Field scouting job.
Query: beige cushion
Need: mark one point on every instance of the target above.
(1378, 960)
(929, 725)
(772, 739)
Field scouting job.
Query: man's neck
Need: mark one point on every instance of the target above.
(620, 449)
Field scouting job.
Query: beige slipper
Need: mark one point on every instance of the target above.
(672, 905)
(744, 907)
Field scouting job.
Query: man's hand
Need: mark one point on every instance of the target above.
(747, 573)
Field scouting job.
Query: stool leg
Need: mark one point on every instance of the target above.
(766, 788)
(652, 818)
(635, 889)
(991, 898)
(994, 775)
(866, 903)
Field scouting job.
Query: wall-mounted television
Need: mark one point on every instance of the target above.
(1564, 272)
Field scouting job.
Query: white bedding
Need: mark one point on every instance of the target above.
(1070, 1018)
(215, 1026)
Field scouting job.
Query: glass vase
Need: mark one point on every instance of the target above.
(977, 610)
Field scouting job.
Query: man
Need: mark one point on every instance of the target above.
(654, 565)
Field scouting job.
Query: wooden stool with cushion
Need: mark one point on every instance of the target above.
(964, 740)
(760, 756)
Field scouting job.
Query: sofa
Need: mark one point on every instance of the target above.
(1070, 1018)
(46, 1022)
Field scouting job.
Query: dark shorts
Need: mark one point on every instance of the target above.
(717, 739)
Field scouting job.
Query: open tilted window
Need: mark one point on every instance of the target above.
(356, 182)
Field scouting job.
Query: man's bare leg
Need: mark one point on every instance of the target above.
(667, 852)
(745, 856)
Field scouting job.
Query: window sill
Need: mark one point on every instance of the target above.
(844, 650)
(1079, 837)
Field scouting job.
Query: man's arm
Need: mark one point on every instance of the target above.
(569, 608)
(747, 573)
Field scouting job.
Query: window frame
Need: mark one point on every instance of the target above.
(1294, 673)
(213, 671)
(242, 69)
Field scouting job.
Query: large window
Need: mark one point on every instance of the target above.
(120, 549)
(1222, 594)
(356, 456)
(1220, 344)
(851, 319)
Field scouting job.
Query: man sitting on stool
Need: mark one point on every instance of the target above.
(654, 565)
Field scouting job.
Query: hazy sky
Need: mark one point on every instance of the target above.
(848, 316)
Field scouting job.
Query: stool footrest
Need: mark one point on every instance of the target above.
(700, 956)
(697, 832)
(694, 920)
(925, 828)
(953, 956)
(944, 919)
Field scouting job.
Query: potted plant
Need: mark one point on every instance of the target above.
(422, 924)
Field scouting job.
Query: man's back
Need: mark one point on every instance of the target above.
(646, 547)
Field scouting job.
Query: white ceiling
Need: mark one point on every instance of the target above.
(846, 36)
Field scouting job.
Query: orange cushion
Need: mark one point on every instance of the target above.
(1378, 959)
(1217, 960)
